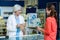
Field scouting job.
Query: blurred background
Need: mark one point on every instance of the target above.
(38, 7)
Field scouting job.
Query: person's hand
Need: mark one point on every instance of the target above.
(39, 29)
(21, 26)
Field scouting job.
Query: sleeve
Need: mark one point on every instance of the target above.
(9, 25)
(48, 26)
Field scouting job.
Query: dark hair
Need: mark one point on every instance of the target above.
(53, 11)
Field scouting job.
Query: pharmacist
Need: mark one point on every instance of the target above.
(15, 23)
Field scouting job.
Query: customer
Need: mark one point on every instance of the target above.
(50, 29)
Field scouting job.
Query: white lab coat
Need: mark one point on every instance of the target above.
(11, 25)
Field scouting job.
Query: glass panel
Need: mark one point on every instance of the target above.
(28, 37)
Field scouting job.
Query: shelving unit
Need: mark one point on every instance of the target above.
(2, 28)
(42, 15)
(31, 2)
(5, 13)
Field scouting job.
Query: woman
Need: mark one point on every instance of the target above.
(50, 29)
(15, 23)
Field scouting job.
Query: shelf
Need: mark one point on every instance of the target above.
(32, 27)
(3, 28)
